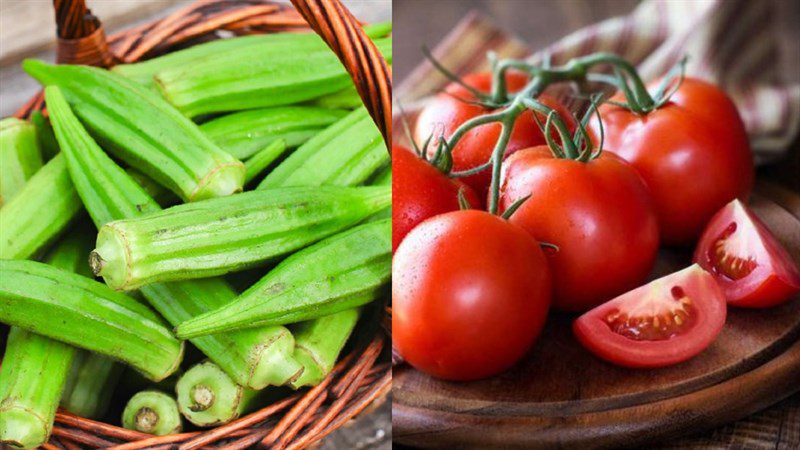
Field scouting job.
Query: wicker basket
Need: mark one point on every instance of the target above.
(361, 377)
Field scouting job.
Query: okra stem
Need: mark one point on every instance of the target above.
(39, 212)
(342, 272)
(344, 154)
(244, 133)
(259, 162)
(318, 344)
(254, 358)
(20, 156)
(152, 412)
(87, 314)
(208, 397)
(141, 129)
(217, 236)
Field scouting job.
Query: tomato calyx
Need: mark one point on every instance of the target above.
(638, 99)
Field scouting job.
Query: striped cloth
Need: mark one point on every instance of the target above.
(732, 43)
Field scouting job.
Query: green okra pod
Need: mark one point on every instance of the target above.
(45, 136)
(31, 380)
(20, 156)
(244, 133)
(39, 212)
(142, 72)
(347, 98)
(344, 154)
(35, 368)
(257, 357)
(261, 160)
(152, 412)
(208, 397)
(341, 272)
(91, 384)
(161, 195)
(257, 77)
(143, 130)
(87, 314)
(318, 344)
(217, 236)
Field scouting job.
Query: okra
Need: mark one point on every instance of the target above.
(244, 133)
(342, 272)
(142, 72)
(217, 236)
(257, 77)
(90, 385)
(256, 357)
(144, 131)
(35, 368)
(208, 397)
(345, 154)
(161, 195)
(261, 160)
(383, 178)
(31, 380)
(347, 98)
(39, 212)
(318, 344)
(152, 412)
(79, 311)
(45, 136)
(20, 156)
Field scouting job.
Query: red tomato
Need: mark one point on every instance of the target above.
(470, 294)
(693, 153)
(664, 322)
(598, 213)
(448, 110)
(420, 191)
(750, 265)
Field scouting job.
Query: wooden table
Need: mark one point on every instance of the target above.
(540, 22)
(27, 30)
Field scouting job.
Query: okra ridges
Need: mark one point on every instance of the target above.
(217, 236)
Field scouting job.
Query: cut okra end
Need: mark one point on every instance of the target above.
(276, 365)
(223, 180)
(109, 263)
(208, 397)
(312, 374)
(21, 428)
(152, 412)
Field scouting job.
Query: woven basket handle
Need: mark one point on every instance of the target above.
(81, 40)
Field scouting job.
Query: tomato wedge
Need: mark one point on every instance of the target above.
(664, 322)
(750, 265)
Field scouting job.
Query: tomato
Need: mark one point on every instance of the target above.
(470, 295)
(659, 324)
(693, 153)
(448, 110)
(599, 215)
(420, 191)
(750, 265)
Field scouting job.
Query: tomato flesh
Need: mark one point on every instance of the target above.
(665, 322)
(751, 266)
(470, 295)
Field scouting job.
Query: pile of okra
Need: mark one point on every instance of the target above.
(230, 201)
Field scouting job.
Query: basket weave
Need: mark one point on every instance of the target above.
(361, 377)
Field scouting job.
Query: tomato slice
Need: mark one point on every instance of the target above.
(749, 263)
(664, 322)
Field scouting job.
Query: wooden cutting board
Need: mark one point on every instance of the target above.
(561, 396)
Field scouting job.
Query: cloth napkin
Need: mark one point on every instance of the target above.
(732, 43)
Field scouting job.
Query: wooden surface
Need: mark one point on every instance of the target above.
(775, 426)
(27, 30)
(562, 395)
